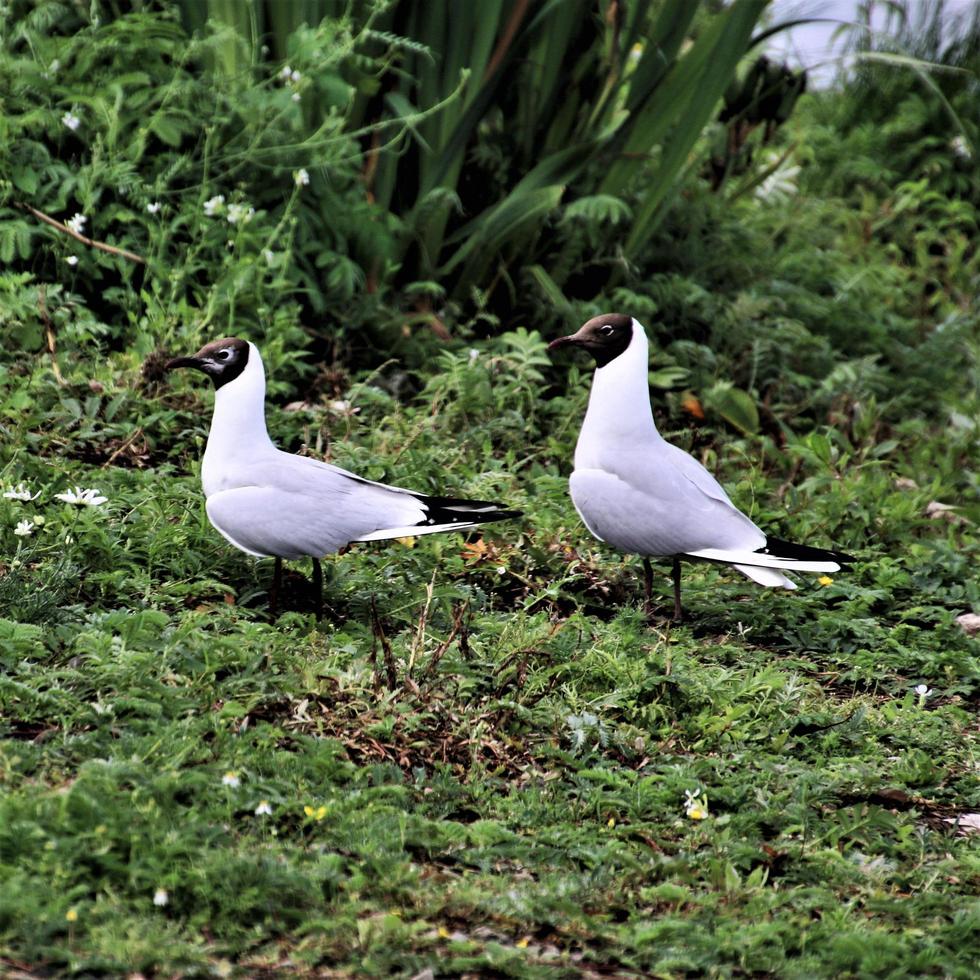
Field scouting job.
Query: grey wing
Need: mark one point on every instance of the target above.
(301, 510)
(661, 506)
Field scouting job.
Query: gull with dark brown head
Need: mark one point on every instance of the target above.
(270, 503)
(641, 495)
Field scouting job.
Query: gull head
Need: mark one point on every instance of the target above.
(605, 337)
(221, 360)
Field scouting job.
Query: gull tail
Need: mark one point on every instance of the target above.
(766, 565)
(446, 514)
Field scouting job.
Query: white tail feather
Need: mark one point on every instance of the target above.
(766, 576)
(414, 530)
(756, 559)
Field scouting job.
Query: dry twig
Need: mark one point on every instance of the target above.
(62, 227)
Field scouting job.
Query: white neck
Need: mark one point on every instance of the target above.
(238, 429)
(619, 410)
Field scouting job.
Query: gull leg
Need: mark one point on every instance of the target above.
(318, 589)
(647, 586)
(675, 574)
(276, 589)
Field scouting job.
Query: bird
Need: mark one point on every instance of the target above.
(642, 495)
(270, 503)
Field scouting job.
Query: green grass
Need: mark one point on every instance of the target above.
(502, 791)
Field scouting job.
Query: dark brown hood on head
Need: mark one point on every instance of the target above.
(221, 360)
(605, 337)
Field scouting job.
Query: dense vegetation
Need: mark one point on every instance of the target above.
(485, 761)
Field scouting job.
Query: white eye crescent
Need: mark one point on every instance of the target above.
(224, 354)
(606, 330)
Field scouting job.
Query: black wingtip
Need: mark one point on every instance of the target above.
(779, 548)
(457, 510)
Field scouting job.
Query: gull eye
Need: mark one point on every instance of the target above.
(223, 355)
(606, 330)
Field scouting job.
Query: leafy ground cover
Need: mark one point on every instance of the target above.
(485, 761)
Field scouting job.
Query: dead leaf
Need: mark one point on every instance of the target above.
(966, 823)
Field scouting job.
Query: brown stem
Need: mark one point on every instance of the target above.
(62, 227)
(49, 337)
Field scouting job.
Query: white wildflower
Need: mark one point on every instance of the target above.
(153, 207)
(285, 72)
(240, 213)
(923, 690)
(20, 492)
(269, 256)
(295, 76)
(72, 259)
(76, 223)
(161, 898)
(215, 205)
(82, 498)
(473, 355)
(71, 121)
(231, 779)
(301, 177)
(960, 147)
(296, 97)
(263, 809)
(54, 67)
(24, 529)
(695, 806)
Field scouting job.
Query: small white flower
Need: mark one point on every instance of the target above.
(230, 779)
(76, 223)
(72, 259)
(54, 67)
(161, 898)
(82, 498)
(923, 690)
(960, 147)
(473, 355)
(695, 806)
(294, 76)
(240, 212)
(215, 205)
(71, 121)
(301, 177)
(153, 207)
(296, 97)
(20, 492)
(285, 72)
(263, 809)
(269, 256)
(24, 529)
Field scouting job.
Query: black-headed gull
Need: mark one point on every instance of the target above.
(270, 503)
(638, 493)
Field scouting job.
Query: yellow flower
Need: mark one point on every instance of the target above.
(408, 542)
(317, 813)
(696, 812)
(825, 580)
(321, 812)
(72, 915)
(523, 942)
(443, 932)
(308, 810)
(611, 822)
